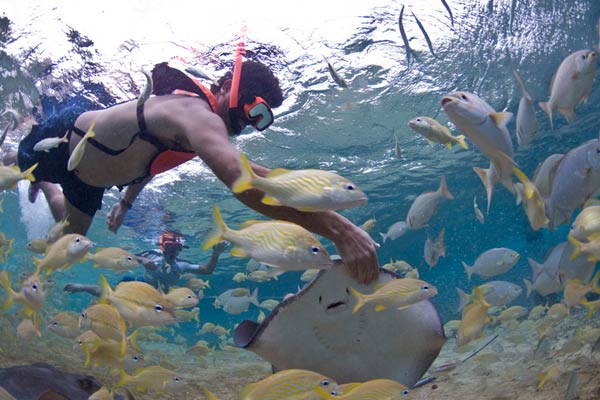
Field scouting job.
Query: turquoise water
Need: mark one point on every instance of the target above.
(321, 125)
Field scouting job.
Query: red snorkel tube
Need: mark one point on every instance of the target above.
(237, 68)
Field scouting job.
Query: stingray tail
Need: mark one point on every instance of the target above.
(361, 299)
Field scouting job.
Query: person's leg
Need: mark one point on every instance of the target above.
(79, 222)
(54, 196)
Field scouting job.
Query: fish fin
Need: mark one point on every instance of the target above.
(468, 270)
(383, 237)
(576, 247)
(484, 175)
(463, 299)
(270, 201)
(501, 118)
(219, 228)
(460, 139)
(360, 299)
(568, 113)
(106, 290)
(448, 145)
(548, 110)
(209, 395)
(238, 252)
(277, 172)
(123, 378)
(379, 307)
(444, 189)
(528, 288)
(246, 178)
(28, 173)
(254, 298)
(132, 338)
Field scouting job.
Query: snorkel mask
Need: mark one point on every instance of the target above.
(258, 113)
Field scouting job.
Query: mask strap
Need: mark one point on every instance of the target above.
(237, 68)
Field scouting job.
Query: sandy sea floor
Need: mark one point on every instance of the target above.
(506, 369)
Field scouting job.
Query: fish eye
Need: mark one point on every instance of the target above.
(464, 97)
(189, 296)
(349, 187)
(55, 323)
(83, 315)
(34, 287)
(129, 258)
(315, 250)
(418, 119)
(325, 382)
(333, 393)
(405, 392)
(584, 56)
(176, 379)
(158, 308)
(77, 240)
(425, 287)
(135, 358)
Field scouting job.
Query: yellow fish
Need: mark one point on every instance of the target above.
(474, 318)
(286, 384)
(279, 244)
(532, 201)
(552, 374)
(64, 324)
(77, 154)
(397, 293)
(56, 231)
(201, 348)
(433, 131)
(187, 316)
(592, 306)
(587, 224)
(138, 302)
(32, 294)
(106, 322)
(574, 290)
(375, 389)
(37, 246)
(108, 353)
(154, 378)
(49, 143)
(182, 297)
(28, 330)
(304, 190)
(591, 248)
(197, 284)
(102, 394)
(9, 176)
(63, 253)
(114, 258)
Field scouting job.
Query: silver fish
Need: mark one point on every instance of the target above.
(571, 392)
(478, 212)
(492, 262)
(404, 37)
(526, 122)
(426, 205)
(427, 39)
(396, 230)
(544, 174)
(577, 177)
(335, 75)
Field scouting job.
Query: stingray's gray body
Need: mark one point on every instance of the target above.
(316, 330)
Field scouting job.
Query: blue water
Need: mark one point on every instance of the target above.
(321, 125)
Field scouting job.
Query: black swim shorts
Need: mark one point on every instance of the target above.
(52, 165)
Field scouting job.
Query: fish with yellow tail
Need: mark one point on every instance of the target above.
(552, 374)
(304, 190)
(154, 378)
(113, 258)
(106, 322)
(63, 253)
(571, 84)
(587, 224)
(48, 144)
(575, 290)
(182, 297)
(64, 324)
(433, 131)
(397, 293)
(10, 175)
(108, 353)
(591, 248)
(138, 302)
(532, 201)
(32, 294)
(77, 154)
(279, 244)
(474, 319)
(375, 389)
(486, 128)
(103, 394)
(287, 384)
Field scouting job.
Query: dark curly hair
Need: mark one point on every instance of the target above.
(256, 80)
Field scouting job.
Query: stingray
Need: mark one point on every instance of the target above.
(43, 381)
(316, 330)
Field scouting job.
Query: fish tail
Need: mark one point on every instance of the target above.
(592, 307)
(528, 288)
(360, 299)
(460, 139)
(28, 173)
(595, 287)
(5, 283)
(463, 299)
(254, 298)
(88, 354)
(484, 175)
(219, 228)
(468, 270)
(132, 339)
(106, 290)
(548, 110)
(38, 263)
(576, 247)
(124, 378)
(383, 236)
(443, 189)
(448, 145)
(245, 180)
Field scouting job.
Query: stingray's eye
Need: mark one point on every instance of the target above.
(405, 392)
(158, 308)
(425, 288)
(315, 250)
(349, 186)
(325, 383)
